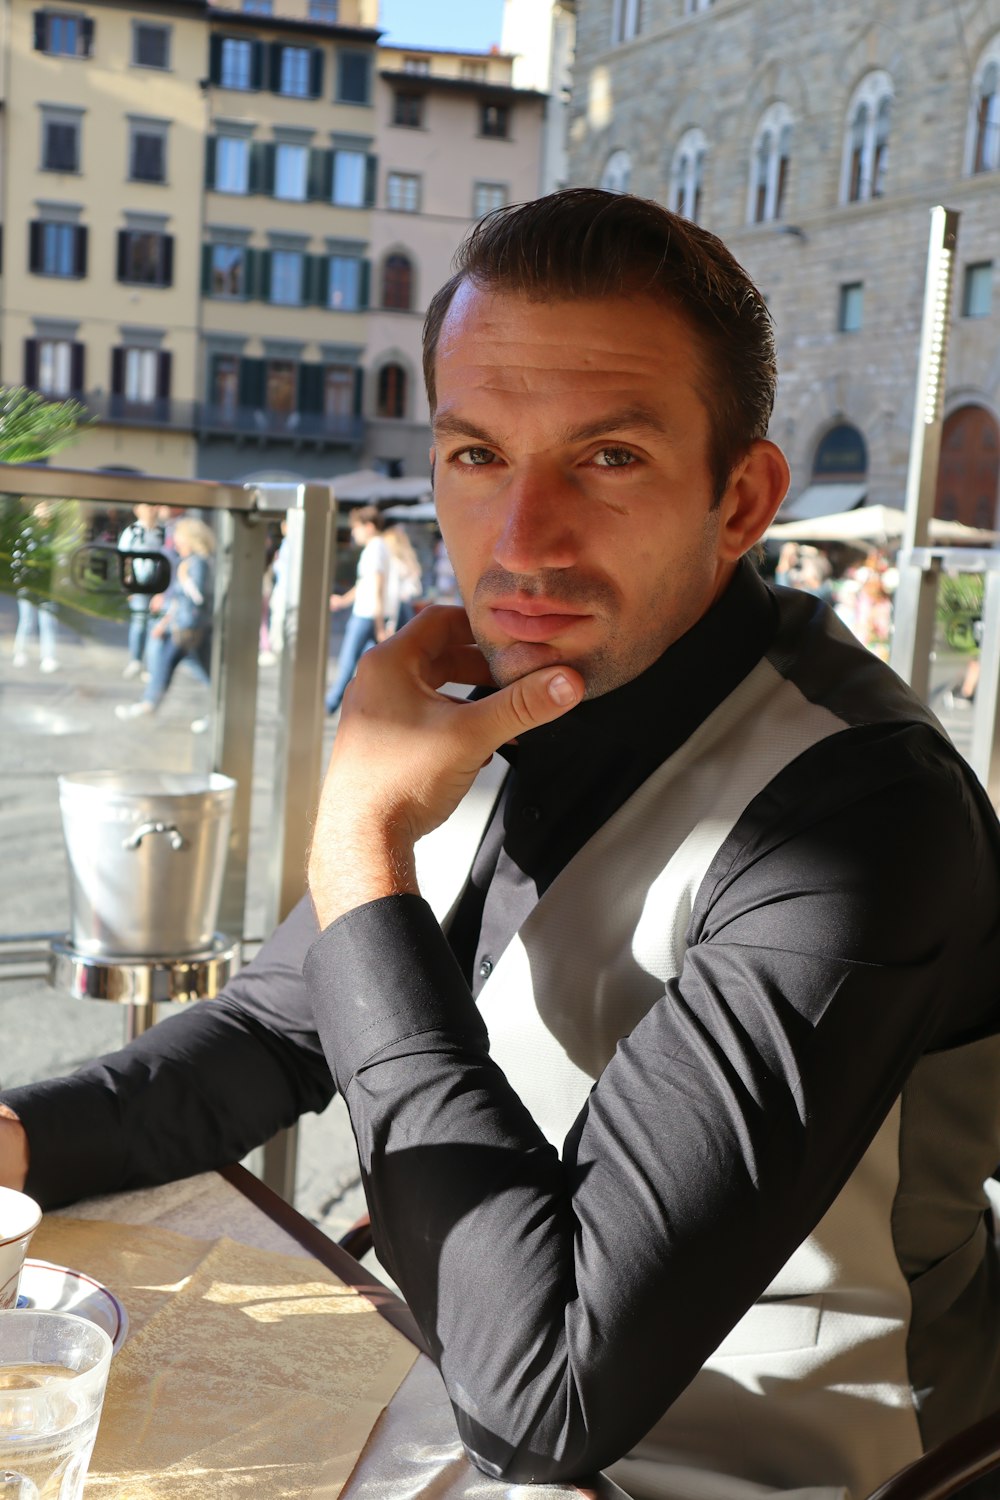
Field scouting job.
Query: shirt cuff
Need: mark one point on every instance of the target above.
(383, 973)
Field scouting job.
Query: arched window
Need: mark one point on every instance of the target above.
(391, 391)
(617, 172)
(866, 140)
(769, 158)
(687, 174)
(984, 121)
(840, 455)
(969, 467)
(397, 283)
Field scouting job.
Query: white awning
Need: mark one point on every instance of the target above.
(823, 500)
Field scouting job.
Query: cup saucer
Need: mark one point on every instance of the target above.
(49, 1288)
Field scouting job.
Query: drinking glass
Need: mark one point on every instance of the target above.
(53, 1371)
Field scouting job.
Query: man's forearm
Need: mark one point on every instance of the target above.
(13, 1150)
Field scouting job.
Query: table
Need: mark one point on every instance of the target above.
(414, 1449)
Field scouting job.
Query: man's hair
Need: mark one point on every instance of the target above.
(369, 515)
(584, 242)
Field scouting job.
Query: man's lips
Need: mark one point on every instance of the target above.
(534, 619)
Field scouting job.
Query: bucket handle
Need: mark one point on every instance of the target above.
(177, 839)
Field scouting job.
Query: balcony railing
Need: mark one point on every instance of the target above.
(219, 419)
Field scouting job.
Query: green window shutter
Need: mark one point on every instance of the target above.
(215, 58)
(268, 158)
(206, 270)
(310, 392)
(264, 275)
(364, 292)
(210, 162)
(275, 50)
(321, 285)
(253, 379)
(308, 278)
(250, 272)
(257, 66)
(319, 174)
(371, 180)
(255, 175)
(316, 73)
(359, 391)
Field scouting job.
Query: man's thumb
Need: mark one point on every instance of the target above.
(537, 699)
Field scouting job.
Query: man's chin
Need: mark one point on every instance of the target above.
(517, 659)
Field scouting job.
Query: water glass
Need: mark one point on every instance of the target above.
(53, 1371)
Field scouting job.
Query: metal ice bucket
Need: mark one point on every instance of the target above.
(146, 853)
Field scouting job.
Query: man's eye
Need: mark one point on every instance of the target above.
(614, 458)
(475, 457)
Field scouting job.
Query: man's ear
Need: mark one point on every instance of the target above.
(756, 488)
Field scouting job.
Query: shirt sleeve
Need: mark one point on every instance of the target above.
(569, 1298)
(195, 1092)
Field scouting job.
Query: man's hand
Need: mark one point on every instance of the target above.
(406, 754)
(13, 1150)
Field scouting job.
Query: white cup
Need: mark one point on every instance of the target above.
(20, 1216)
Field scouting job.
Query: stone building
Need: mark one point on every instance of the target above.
(814, 136)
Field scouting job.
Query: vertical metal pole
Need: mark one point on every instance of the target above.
(984, 755)
(916, 596)
(242, 541)
(310, 543)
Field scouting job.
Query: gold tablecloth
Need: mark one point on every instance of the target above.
(234, 1380)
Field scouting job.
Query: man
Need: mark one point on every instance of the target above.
(366, 600)
(144, 534)
(698, 1179)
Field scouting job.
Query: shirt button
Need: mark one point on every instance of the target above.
(486, 967)
(532, 813)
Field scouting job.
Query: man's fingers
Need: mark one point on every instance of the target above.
(533, 700)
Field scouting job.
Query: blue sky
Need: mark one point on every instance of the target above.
(462, 24)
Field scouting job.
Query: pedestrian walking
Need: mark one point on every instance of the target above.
(367, 600)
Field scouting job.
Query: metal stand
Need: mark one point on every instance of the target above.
(143, 983)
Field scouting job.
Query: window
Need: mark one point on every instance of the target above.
(617, 172)
(286, 277)
(323, 10)
(866, 140)
(224, 383)
(391, 391)
(626, 20)
(421, 66)
(291, 172)
(769, 158)
(687, 175)
(408, 109)
(353, 77)
(55, 367)
(473, 70)
(232, 164)
(294, 71)
(147, 154)
(344, 293)
(349, 178)
(60, 144)
(977, 293)
(486, 196)
(338, 390)
(63, 35)
(258, 7)
(57, 249)
(984, 123)
(145, 257)
(279, 387)
(841, 454)
(150, 45)
(692, 7)
(397, 283)
(850, 307)
(237, 63)
(142, 368)
(227, 276)
(494, 120)
(402, 192)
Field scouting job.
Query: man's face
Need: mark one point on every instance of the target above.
(572, 481)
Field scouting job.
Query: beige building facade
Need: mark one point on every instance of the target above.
(814, 141)
(455, 139)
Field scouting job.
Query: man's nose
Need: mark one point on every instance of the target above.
(539, 522)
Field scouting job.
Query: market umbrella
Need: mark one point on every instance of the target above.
(879, 524)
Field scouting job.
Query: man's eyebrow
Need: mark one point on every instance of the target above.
(625, 419)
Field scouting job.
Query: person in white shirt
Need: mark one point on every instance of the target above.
(367, 600)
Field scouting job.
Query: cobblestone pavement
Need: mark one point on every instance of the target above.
(63, 721)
